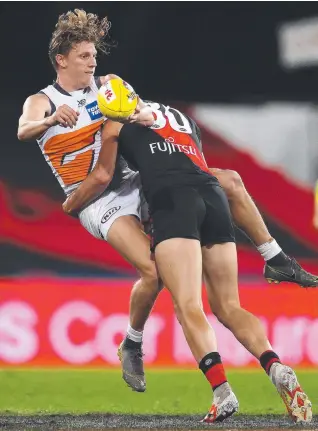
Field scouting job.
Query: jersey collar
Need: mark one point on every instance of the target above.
(62, 91)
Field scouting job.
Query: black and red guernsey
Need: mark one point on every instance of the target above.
(167, 154)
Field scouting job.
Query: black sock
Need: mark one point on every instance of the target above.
(131, 344)
(209, 361)
(212, 367)
(267, 359)
(279, 260)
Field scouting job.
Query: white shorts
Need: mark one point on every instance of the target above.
(129, 199)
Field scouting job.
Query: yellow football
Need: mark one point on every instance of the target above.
(117, 99)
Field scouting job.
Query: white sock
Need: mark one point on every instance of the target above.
(134, 335)
(269, 249)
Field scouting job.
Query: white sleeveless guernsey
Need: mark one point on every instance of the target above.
(72, 152)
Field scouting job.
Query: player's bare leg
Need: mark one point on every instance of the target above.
(179, 262)
(279, 267)
(127, 237)
(180, 265)
(220, 273)
(244, 211)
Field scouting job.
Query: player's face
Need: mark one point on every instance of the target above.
(80, 63)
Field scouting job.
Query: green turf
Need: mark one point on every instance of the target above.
(168, 392)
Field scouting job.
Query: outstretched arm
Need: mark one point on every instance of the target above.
(100, 177)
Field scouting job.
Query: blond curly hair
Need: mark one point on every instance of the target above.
(75, 27)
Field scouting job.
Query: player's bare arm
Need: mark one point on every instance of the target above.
(102, 174)
(143, 115)
(36, 118)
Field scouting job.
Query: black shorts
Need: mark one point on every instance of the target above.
(197, 212)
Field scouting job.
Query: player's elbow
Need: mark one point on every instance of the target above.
(102, 176)
(25, 134)
(22, 136)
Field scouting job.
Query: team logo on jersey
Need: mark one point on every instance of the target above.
(171, 147)
(81, 103)
(93, 111)
(109, 214)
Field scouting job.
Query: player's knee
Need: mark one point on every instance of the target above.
(233, 183)
(149, 276)
(187, 310)
(225, 313)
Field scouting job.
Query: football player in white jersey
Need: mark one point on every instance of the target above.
(65, 120)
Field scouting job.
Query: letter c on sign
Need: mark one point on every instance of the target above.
(59, 327)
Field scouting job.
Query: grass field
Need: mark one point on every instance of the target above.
(168, 392)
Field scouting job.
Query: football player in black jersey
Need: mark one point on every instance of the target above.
(192, 232)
